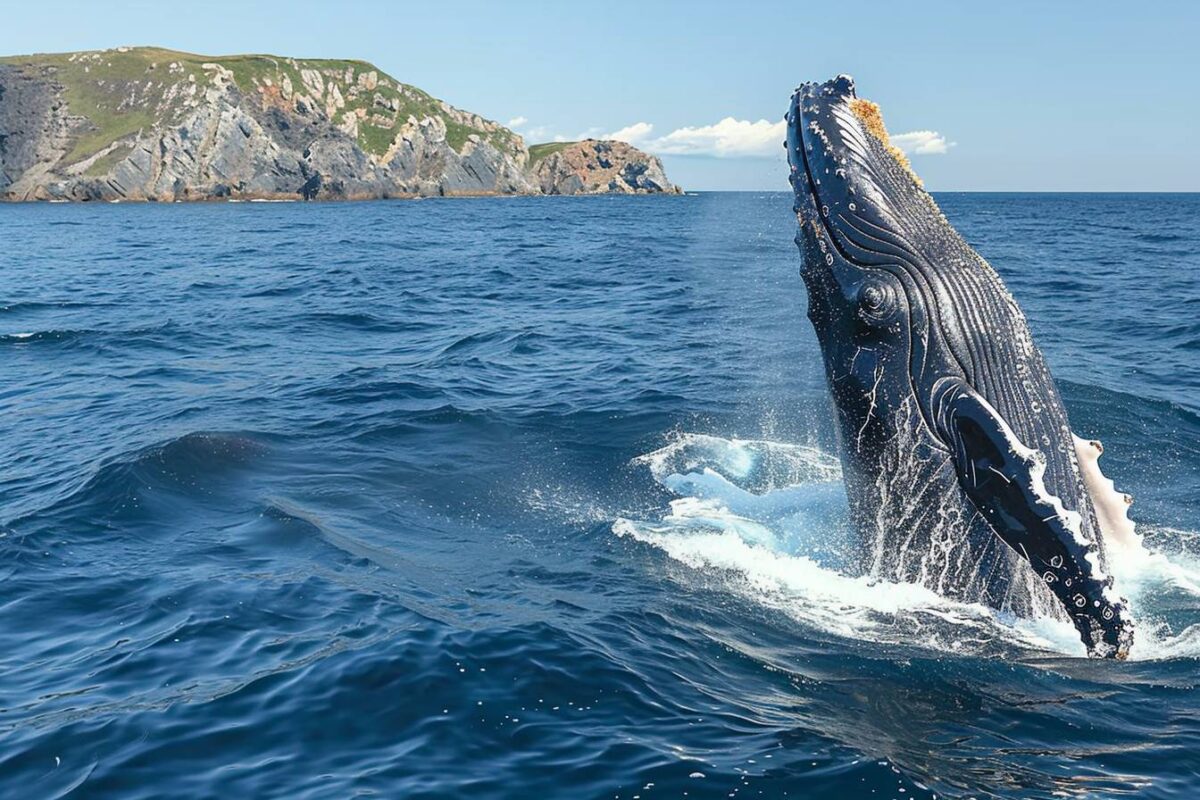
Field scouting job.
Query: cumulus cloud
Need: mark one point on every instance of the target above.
(517, 122)
(590, 133)
(729, 138)
(633, 134)
(921, 143)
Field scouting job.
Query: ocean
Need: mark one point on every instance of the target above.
(539, 497)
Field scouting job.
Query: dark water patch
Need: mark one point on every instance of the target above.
(27, 306)
(1159, 237)
(123, 487)
(278, 291)
(351, 390)
(360, 321)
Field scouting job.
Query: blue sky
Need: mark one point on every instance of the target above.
(998, 95)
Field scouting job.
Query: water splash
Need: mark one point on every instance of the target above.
(769, 522)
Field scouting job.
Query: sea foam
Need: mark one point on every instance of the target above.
(769, 520)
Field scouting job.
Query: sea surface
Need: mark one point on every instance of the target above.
(539, 498)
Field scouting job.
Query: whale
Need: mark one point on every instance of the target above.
(961, 469)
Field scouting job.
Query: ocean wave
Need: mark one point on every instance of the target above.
(363, 321)
(95, 337)
(1159, 237)
(185, 464)
(500, 342)
(53, 335)
(24, 306)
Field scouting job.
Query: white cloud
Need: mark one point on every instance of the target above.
(728, 138)
(633, 134)
(740, 138)
(921, 143)
(544, 133)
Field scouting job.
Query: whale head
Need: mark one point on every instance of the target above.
(879, 260)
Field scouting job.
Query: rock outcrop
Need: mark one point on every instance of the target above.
(153, 124)
(597, 167)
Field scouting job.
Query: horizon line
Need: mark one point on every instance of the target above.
(972, 191)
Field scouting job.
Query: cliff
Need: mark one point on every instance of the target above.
(152, 124)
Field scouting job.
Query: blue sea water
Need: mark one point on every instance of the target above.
(518, 498)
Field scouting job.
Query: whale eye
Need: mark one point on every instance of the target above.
(876, 302)
(872, 297)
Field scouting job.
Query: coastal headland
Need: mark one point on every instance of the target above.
(145, 123)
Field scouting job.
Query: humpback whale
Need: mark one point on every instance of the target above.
(962, 472)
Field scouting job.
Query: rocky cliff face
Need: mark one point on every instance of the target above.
(153, 124)
(597, 167)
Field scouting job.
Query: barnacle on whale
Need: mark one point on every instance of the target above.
(872, 119)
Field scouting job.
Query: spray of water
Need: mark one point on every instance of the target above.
(769, 520)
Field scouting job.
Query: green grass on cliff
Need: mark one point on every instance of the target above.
(539, 151)
(120, 93)
(389, 101)
(125, 90)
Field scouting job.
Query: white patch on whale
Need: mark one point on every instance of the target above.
(1112, 507)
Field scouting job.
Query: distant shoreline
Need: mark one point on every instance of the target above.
(292, 199)
(282, 198)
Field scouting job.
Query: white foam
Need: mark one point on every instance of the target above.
(768, 522)
(738, 458)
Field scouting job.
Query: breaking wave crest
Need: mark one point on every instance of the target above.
(769, 522)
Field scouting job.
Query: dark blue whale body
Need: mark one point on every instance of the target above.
(960, 465)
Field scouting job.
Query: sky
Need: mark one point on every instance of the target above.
(985, 96)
